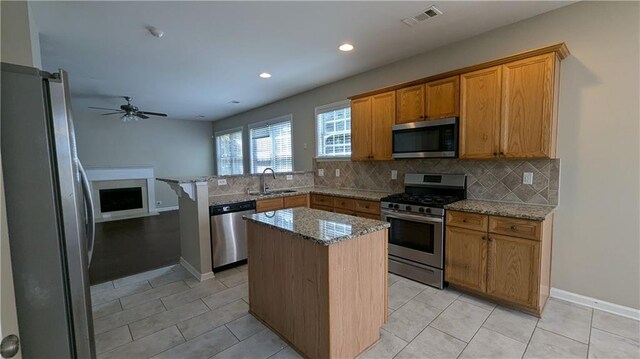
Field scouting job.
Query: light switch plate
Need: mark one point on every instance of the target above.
(321, 172)
(527, 178)
(394, 174)
(337, 172)
(222, 182)
(289, 177)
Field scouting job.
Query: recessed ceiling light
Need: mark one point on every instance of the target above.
(235, 102)
(345, 47)
(155, 31)
(265, 75)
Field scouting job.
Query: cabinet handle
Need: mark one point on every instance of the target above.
(465, 221)
(495, 154)
(484, 238)
(513, 228)
(490, 239)
(501, 153)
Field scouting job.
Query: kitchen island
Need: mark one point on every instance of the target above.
(319, 279)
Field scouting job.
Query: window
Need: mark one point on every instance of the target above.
(333, 130)
(271, 145)
(229, 152)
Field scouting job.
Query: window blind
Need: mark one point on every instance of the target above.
(271, 146)
(333, 130)
(229, 151)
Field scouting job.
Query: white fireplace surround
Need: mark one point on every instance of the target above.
(125, 174)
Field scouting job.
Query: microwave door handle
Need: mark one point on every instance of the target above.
(412, 217)
(88, 203)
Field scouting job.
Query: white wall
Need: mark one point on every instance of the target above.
(597, 240)
(173, 147)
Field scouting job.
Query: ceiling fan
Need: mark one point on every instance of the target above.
(129, 112)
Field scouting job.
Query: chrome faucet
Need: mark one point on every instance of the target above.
(263, 183)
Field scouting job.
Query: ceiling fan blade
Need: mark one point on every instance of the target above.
(104, 108)
(139, 114)
(111, 113)
(153, 113)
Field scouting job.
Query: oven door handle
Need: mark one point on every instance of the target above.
(411, 217)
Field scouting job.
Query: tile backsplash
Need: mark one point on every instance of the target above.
(244, 183)
(494, 180)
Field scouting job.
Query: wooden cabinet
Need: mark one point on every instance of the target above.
(466, 258)
(350, 206)
(296, 201)
(371, 121)
(429, 101)
(508, 110)
(504, 259)
(274, 204)
(442, 98)
(528, 117)
(481, 94)
(410, 104)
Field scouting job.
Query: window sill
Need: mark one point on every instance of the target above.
(329, 159)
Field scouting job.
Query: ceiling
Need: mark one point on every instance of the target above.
(212, 52)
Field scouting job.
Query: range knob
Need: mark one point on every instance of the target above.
(427, 210)
(408, 208)
(396, 206)
(421, 209)
(390, 205)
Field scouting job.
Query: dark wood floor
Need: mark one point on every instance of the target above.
(131, 246)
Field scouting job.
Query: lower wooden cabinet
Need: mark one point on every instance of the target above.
(353, 207)
(274, 204)
(512, 268)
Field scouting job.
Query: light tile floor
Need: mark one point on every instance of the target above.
(166, 313)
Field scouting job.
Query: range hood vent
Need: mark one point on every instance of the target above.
(427, 14)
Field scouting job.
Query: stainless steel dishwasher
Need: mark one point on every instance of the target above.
(229, 232)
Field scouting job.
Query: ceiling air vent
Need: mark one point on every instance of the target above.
(427, 14)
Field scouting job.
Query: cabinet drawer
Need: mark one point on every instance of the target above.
(368, 207)
(295, 201)
(322, 208)
(344, 203)
(322, 200)
(515, 227)
(467, 220)
(344, 211)
(368, 215)
(271, 204)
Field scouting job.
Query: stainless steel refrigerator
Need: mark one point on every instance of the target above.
(49, 214)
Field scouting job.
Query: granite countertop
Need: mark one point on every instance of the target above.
(322, 227)
(193, 179)
(349, 193)
(514, 210)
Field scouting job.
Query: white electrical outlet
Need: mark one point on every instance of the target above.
(337, 172)
(394, 174)
(222, 182)
(321, 172)
(289, 177)
(305, 146)
(527, 178)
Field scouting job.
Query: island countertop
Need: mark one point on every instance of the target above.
(513, 210)
(322, 227)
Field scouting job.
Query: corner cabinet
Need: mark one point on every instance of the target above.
(371, 121)
(504, 259)
(510, 110)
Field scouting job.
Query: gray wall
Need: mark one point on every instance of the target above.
(597, 240)
(173, 147)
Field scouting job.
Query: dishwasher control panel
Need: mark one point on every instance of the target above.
(232, 207)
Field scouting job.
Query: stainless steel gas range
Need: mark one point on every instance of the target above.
(416, 236)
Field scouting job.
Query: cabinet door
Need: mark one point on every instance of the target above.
(410, 104)
(296, 201)
(383, 114)
(361, 129)
(513, 269)
(442, 98)
(466, 258)
(527, 107)
(272, 204)
(480, 111)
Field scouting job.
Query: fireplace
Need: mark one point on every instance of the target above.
(120, 193)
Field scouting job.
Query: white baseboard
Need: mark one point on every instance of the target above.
(596, 303)
(194, 272)
(165, 209)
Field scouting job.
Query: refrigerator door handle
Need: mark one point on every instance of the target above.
(88, 205)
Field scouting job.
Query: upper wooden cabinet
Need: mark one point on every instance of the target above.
(428, 101)
(371, 121)
(410, 104)
(481, 93)
(528, 117)
(442, 98)
(508, 110)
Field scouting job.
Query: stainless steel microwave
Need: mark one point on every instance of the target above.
(426, 139)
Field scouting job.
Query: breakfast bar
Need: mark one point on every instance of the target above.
(318, 279)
